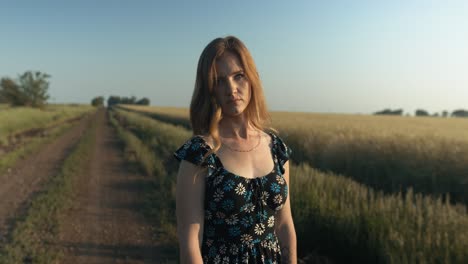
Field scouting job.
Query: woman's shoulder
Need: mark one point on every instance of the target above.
(205, 139)
(275, 136)
(279, 143)
(193, 150)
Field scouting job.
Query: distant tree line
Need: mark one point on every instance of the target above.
(422, 112)
(389, 112)
(29, 89)
(113, 100)
(98, 101)
(460, 113)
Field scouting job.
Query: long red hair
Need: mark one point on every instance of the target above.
(205, 113)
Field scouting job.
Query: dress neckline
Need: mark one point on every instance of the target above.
(243, 177)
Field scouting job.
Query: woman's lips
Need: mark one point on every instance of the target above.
(236, 101)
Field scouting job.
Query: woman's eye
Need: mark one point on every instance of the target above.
(239, 76)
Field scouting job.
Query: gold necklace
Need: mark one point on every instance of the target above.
(249, 150)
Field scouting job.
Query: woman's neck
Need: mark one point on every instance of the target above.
(235, 127)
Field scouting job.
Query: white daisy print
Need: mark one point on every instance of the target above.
(278, 199)
(234, 250)
(220, 215)
(265, 195)
(218, 195)
(248, 208)
(240, 189)
(232, 220)
(259, 229)
(271, 221)
(246, 238)
(280, 179)
(218, 179)
(222, 249)
(245, 258)
(208, 215)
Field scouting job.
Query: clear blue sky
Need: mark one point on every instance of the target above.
(316, 56)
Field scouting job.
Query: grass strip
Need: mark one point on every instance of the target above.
(159, 202)
(428, 155)
(339, 218)
(17, 120)
(33, 144)
(34, 235)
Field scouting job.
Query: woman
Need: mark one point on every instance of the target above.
(232, 207)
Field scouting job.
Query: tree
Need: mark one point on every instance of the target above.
(460, 113)
(30, 90)
(10, 92)
(444, 113)
(35, 86)
(128, 100)
(421, 112)
(113, 100)
(97, 101)
(143, 101)
(390, 112)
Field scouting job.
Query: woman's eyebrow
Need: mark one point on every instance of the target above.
(232, 73)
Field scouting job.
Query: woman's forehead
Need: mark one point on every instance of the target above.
(228, 64)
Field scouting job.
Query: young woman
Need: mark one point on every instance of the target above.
(233, 204)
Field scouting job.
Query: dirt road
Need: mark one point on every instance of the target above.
(105, 224)
(25, 179)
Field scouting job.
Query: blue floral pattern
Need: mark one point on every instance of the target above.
(239, 212)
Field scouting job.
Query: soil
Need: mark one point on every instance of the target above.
(18, 139)
(23, 181)
(106, 225)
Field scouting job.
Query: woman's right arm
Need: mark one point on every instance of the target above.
(190, 191)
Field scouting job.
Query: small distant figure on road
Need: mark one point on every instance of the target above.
(232, 200)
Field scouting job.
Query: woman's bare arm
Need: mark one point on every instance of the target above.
(190, 191)
(284, 227)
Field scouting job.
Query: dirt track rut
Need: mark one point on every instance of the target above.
(105, 224)
(25, 179)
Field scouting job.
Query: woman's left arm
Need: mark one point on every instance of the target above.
(284, 227)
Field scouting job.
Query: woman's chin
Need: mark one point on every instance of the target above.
(233, 110)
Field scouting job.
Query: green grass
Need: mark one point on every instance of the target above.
(350, 222)
(343, 220)
(32, 145)
(144, 141)
(388, 153)
(34, 234)
(20, 119)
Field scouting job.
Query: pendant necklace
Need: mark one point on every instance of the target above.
(248, 150)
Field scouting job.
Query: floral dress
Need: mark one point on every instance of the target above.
(239, 212)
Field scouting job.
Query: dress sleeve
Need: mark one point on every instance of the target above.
(283, 152)
(193, 151)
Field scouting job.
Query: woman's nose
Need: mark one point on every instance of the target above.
(231, 87)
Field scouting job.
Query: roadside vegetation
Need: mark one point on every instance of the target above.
(150, 145)
(18, 120)
(388, 153)
(339, 219)
(34, 235)
(43, 128)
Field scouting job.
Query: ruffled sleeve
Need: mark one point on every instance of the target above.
(193, 151)
(283, 152)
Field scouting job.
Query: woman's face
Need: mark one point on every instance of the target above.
(232, 89)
